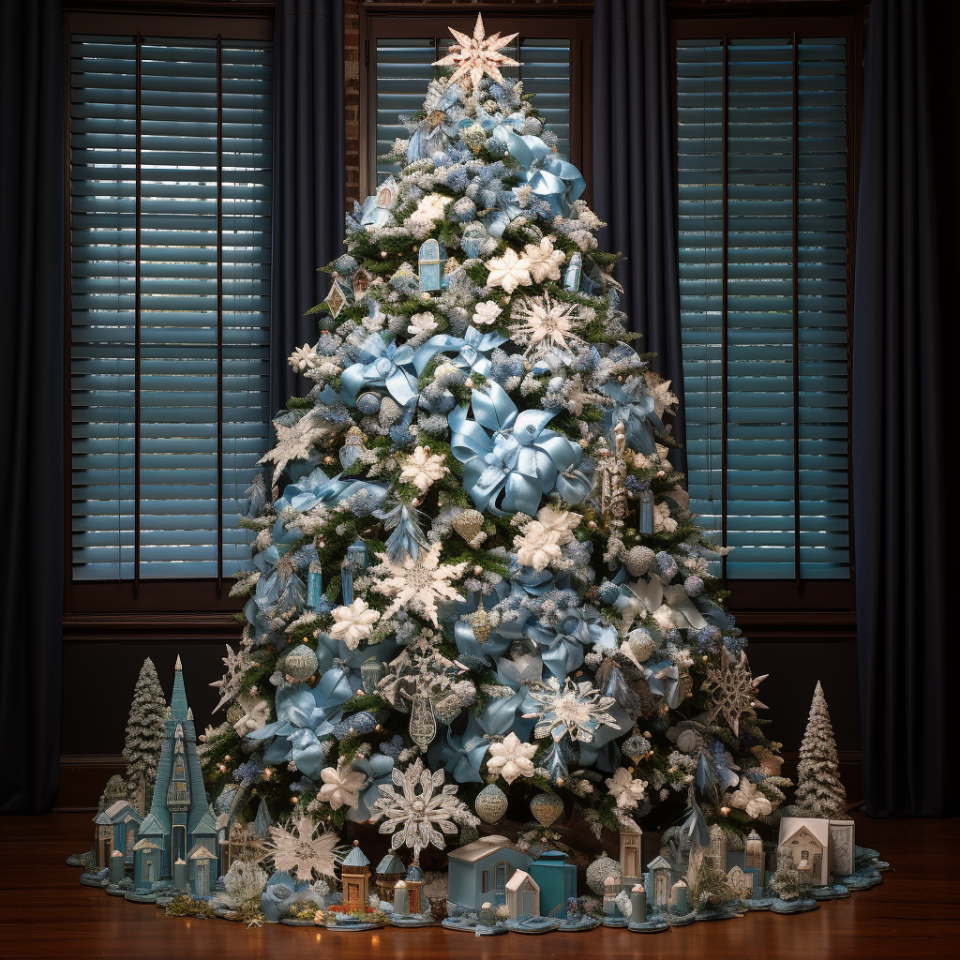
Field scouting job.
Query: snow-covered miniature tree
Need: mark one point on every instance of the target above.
(819, 790)
(785, 882)
(116, 789)
(145, 729)
(472, 551)
(712, 888)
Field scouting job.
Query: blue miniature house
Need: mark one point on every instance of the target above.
(147, 863)
(201, 862)
(118, 829)
(557, 879)
(180, 816)
(479, 871)
(431, 257)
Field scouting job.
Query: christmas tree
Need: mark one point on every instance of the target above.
(116, 789)
(785, 882)
(819, 790)
(145, 728)
(475, 573)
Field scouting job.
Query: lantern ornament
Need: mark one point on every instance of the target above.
(357, 555)
(371, 673)
(431, 258)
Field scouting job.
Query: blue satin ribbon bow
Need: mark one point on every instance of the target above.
(379, 770)
(511, 468)
(563, 645)
(303, 717)
(635, 408)
(462, 754)
(470, 350)
(381, 365)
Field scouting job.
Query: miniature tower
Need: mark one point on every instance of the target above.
(389, 871)
(414, 883)
(180, 816)
(355, 874)
(557, 879)
(630, 840)
(661, 882)
(718, 846)
(754, 851)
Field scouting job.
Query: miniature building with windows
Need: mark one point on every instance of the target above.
(661, 883)
(741, 880)
(522, 896)
(431, 260)
(180, 816)
(390, 870)
(118, 829)
(630, 869)
(807, 838)
(842, 847)
(754, 851)
(718, 846)
(355, 876)
(147, 863)
(202, 862)
(481, 869)
(414, 884)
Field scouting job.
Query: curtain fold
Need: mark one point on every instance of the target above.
(308, 175)
(633, 175)
(899, 418)
(31, 401)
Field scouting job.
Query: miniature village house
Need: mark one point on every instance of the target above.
(355, 875)
(117, 829)
(390, 871)
(753, 848)
(806, 838)
(557, 879)
(414, 882)
(661, 882)
(483, 868)
(522, 895)
(630, 840)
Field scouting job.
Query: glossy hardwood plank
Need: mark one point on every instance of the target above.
(44, 912)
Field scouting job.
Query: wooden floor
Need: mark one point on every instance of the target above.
(44, 912)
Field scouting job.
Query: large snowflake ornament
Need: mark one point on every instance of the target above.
(293, 443)
(424, 810)
(229, 685)
(296, 849)
(735, 690)
(545, 325)
(576, 710)
(419, 582)
(477, 55)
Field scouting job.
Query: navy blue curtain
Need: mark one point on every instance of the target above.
(31, 402)
(308, 175)
(900, 411)
(633, 174)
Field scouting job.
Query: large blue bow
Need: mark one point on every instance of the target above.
(336, 656)
(470, 349)
(635, 408)
(511, 468)
(270, 583)
(429, 136)
(463, 754)
(563, 645)
(663, 678)
(381, 365)
(452, 614)
(379, 770)
(303, 717)
(502, 715)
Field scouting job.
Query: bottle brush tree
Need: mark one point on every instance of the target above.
(145, 729)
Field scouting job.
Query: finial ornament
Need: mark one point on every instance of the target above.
(477, 55)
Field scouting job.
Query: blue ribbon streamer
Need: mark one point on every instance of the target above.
(510, 460)
(381, 364)
(563, 645)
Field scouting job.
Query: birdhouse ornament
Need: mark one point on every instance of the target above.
(431, 258)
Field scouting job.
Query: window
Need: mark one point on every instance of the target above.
(764, 169)
(400, 51)
(170, 186)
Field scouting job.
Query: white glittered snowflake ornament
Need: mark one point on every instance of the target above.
(296, 849)
(422, 468)
(419, 582)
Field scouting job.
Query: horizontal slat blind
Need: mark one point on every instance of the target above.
(404, 68)
(184, 484)
(761, 467)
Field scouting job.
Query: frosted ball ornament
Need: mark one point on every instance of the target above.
(491, 803)
(300, 663)
(546, 807)
(638, 561)
(599, 870)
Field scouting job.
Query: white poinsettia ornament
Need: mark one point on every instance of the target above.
(303, 358)
(422, 324)
(341, 787)
(512, 758)
(486, 313)
(354, 623)
(537, 548)
(544, 260)
(628, 791)
(509, 271)
(662, 521)
(422, 468)
(419, 582)
(663, 396)
(747, 797)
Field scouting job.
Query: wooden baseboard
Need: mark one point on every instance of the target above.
(83, 777)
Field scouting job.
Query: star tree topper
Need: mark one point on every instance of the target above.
(477, 55)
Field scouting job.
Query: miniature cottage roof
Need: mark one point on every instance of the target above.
(151, 826)
(263, 821)
(659, 864)
(355, 858)
(791, 826)
(146, 844)
(551, 858)
(391, 865)
(481, 848)
(200, 852)
(519, 878)
(414, 874)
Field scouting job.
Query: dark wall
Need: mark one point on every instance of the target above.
(99, 681)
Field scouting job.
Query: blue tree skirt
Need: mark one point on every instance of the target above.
(351, 926)
(91, 880)
(532, 925)
(295, 922)
(577, 926)
(763, 903)
(794, 906)
(143, 896)
(653, 925)
(411, 920)
(465, 924)
(682, 919)
(835, 892)
(495, 931)
(615, 922)
(725, 912)
(863, 880)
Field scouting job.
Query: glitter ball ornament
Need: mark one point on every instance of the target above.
(358, 725)
(368, 403)
(465, 210)
(638, 561)
(491, 803)
(693, 586)
(546, 807)
(636, 747)
(599, 870)
(640, 645)
(300, 663)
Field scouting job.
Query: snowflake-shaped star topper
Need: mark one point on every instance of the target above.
(477, 55)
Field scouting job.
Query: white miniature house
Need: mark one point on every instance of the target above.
(806, 838)
(740, 880)
(753, 849)
(523, 895)
(661, 882)
(630, 839)
(718, 846)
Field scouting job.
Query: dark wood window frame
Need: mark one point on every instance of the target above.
(161, 609)
(794, 610)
